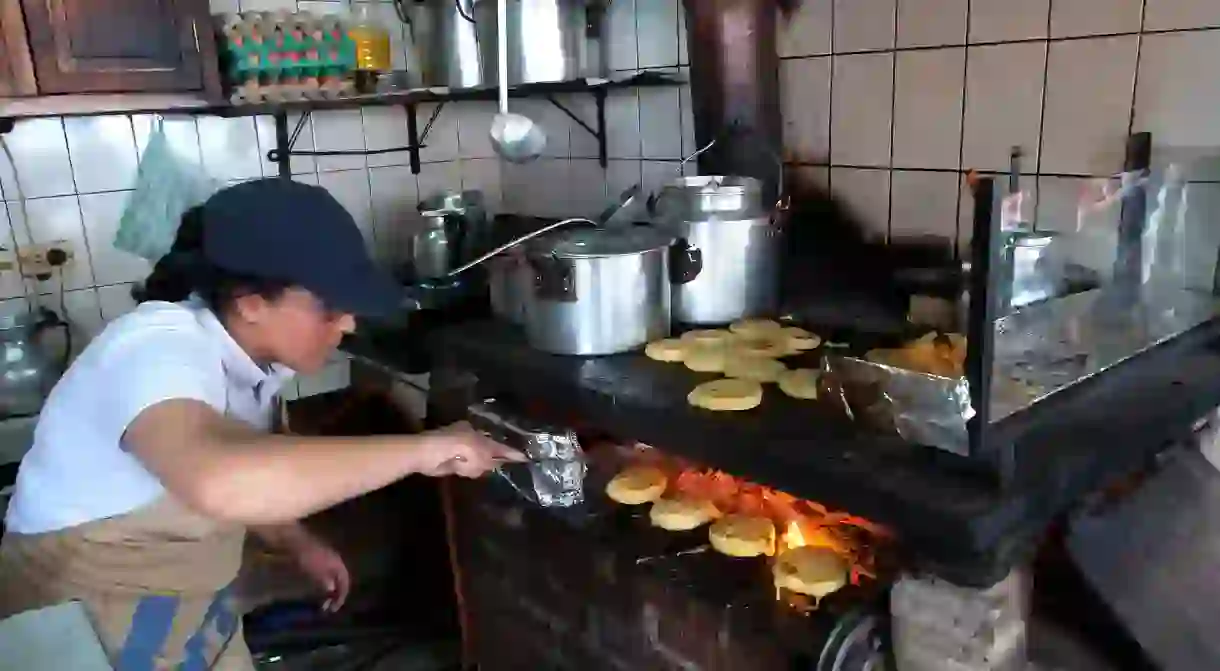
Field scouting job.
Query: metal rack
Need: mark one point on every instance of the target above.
(411, 100)
(408, 99)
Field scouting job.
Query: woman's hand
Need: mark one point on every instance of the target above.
(323, 564)
(460, 450)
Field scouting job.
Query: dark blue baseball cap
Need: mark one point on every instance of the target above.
(291, 232)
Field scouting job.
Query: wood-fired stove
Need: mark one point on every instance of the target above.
(597, 587)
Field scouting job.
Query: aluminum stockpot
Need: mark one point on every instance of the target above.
(444, 43)
(602, 291)
(548, 40)
(455, 41)
(739, 239)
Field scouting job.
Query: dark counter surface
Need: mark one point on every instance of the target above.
(959, 522)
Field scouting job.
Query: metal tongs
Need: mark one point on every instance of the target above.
(555, 463)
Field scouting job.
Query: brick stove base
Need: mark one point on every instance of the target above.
(942, 627)
(606, 591)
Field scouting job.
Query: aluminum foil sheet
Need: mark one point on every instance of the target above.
(1047, 347)
(1039, 350)
(922, 408)
(554, 477)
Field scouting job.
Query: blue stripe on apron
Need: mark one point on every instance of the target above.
(226, 624)
(150, 626)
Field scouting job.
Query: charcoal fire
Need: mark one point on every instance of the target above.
(799, 522)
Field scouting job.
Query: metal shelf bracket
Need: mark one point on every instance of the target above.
(599, 97)
(285, 141)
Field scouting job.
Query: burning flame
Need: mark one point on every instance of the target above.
(792, 537)
(803, 522)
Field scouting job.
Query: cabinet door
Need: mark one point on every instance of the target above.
(92, 46)
(16, 69)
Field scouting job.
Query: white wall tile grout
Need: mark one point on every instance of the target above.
(1139, 56)
(961, 147)
(1024, 40)
(1099, 78)
(1050, 9)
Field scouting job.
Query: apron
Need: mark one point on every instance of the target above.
(155, 582)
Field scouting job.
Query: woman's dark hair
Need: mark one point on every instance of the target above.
(184, 271)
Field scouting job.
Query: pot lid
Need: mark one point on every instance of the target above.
(594, 242)
(450, 202)
(1032, 239)
(716, 184)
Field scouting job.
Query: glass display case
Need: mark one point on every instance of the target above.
(1129, 269)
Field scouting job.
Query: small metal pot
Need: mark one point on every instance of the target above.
(602, 291)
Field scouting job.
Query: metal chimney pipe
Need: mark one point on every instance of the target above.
(734, 72)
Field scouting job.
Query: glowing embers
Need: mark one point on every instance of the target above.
(812, 551)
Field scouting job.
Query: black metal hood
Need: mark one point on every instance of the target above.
(734, 70)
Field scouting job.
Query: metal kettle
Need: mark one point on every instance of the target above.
(453, 231)
(26, 372)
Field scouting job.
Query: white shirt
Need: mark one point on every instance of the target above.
(78, 469)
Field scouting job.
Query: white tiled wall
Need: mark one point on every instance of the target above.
(77, 174)
(893, 100)
(887, 102)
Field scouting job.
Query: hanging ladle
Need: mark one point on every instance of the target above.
(515, 136)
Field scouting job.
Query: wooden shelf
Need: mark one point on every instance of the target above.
(95, 104)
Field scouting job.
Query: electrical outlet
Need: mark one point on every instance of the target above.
(40, 261)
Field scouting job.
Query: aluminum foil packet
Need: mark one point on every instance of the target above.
(921, 408)
(555, 473)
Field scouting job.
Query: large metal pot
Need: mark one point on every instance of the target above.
(601, 291)
(548, 41)
(738, 237)
(444, 43)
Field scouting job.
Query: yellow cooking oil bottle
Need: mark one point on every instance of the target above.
(372, 40)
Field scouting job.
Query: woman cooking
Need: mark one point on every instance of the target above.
(153, 454)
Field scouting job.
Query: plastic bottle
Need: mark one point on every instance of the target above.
(372, 40)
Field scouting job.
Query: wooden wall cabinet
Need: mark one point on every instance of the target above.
(50, 47)
(16, 67)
